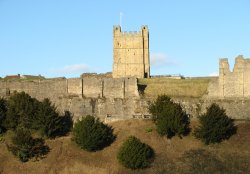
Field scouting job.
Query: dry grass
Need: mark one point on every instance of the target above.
(193, 87)
(65, 157)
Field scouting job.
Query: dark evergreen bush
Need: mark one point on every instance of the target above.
(134, 154)
(215, 126)
(25, 147)
(21, 110)
(91, 134)
(66, 124)
(48, 121)
(3, 110)
(169, 117)
(25, 111)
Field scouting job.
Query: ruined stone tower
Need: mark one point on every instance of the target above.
(232, 84)
(131, 53)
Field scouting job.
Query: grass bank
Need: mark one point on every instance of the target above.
(190, 87)
(186, 155)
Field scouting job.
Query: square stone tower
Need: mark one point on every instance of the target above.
(131, 53)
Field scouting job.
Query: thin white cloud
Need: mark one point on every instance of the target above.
(160, 59)
(213, 74)
(77, 68)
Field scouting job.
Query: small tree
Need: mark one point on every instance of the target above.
(21, 110)
(215, 126)
(134, 154)
(25, 147)
(48, 121)
(25, 111)
(91, 134)
(3, 110)
(169, 117)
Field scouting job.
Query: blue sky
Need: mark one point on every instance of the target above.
(70, 37)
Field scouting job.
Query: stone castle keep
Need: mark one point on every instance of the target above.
(131, 53)
(119, 98)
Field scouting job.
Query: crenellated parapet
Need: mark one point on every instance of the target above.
(131, 34)
(117, 32)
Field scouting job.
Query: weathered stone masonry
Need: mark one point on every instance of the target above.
(87, 87)
(131, 53)
(115, 99)
(81, 96)
(235, 84)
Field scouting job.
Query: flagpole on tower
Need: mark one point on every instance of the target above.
(121, 19)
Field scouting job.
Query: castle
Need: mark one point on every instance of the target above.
(131, 53)
(120, 97)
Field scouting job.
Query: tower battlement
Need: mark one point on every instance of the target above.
(131, 53)
(131, 34)
(119, 33)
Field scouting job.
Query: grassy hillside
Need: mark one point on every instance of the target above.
(186, 155)
(192, 87)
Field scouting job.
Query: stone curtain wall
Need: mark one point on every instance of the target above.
(92, 87)
(236, 109)
(117, 99)
(74, 86)
(88, 87)
(235, 84)
(37, 89)
(101, 97)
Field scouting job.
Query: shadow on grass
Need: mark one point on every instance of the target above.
(204, 161)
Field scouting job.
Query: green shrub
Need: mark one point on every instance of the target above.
(215, 126)
(91, 134)
(3, 110)
(25, 147)
(21, 110)
(48, 121)
(25, 111)
(149, 129)
(134, 154)
(169, 117)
